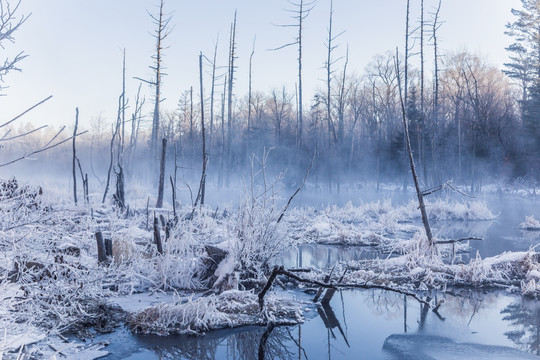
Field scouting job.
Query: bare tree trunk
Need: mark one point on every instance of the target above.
(119, 195)
(173, 184)
(421, 160)
(330, 123)
(160, 34)
(124, 104)
(232, 56)
(86, 191)
(75, 155)
(406, 80)
(342, 101)
(436, 95)
(329, 72)
(212, 92)
(419, 194)
(191, 113)
(159, 203)
(300, 110)
(157, 236)
(223, 154)
(135, 125)
(115, 132)
(204, 156)
(249, 90)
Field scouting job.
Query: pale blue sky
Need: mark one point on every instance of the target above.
(75, 46)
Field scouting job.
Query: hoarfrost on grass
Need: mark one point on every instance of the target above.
(530, 223)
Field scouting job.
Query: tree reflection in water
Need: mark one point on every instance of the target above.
(237, 344)
(524, 318)
(351, 318)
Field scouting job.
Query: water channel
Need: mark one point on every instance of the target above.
(372, 324)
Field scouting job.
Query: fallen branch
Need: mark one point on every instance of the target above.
(456, 240)
(297, 190)
(279, 270)
(441, 187)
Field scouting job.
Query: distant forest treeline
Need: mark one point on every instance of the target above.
(469, 123)
(474, 134)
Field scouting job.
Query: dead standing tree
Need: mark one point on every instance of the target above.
(332, 135)
(300, 13)
(406, 81)
(161, 185)
(119, 194)
(111, 150)
(202, 185)
(436, 26)
(250, 93)
(419, 193)
(160, 33)
(212, 93)
(232, 57)
(75, 156)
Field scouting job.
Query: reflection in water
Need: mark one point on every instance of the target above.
(239, 344)
(330, 321)
(324, 256)
(356, 324)
(524, 319)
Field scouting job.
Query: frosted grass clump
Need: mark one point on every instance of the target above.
(530, 223)
(451, 210)
(229, 309)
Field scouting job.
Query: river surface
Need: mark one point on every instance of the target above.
(373, 324)
(366, 325)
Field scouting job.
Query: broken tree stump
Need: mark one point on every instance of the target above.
(321, 289)
(101, 249)
(211, 262)
(157, 235)
(108, 247)
(330, 292)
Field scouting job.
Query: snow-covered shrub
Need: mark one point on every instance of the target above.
(530, 223)
(453, 210)
(258, 232)
(181, 266)
(477, 271)
(125, 248)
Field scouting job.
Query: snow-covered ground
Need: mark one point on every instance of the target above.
(52, 284)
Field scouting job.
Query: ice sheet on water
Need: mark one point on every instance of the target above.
(432, 347)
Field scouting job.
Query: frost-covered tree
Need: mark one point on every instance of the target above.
(525, 68)
(162, 30)
(10, 22)
(525, 51)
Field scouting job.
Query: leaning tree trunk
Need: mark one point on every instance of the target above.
(419, 194)
(204, 156)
